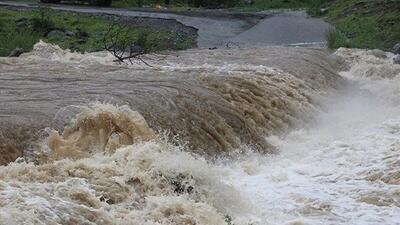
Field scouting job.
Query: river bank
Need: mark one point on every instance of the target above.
(23, 27)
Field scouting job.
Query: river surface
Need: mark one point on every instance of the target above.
(271, 135)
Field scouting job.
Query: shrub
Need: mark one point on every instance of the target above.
(24, 39)
(193, 3)
(336, 39)
(41, 21)
(213, 3)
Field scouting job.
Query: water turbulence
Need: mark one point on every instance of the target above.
(213, 107)
(256, 136)
(102, 128)
(344, 168)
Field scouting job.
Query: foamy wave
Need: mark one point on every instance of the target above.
(51, 52)
(344, 169)
(98, 127)
(109, 167)
(146, 183)
(370, 64)
(373, 72)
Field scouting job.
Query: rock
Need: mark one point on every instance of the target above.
(22, 23)
(55, 34)
(396, 59)
(81, 41)
(82, 34)
(323, 10)
(16, 52)
(378, 53)
(69, 33)
(396, 49)
(249, 2)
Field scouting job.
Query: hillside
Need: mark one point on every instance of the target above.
(363, 23)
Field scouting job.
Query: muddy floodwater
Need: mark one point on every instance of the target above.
(272, 135)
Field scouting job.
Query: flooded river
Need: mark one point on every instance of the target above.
(272, 135)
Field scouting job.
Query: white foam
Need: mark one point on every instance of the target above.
(323, 174)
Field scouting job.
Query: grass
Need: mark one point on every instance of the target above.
(237, 5)
(88, 32)
(132, 3)
(364, 23)
(336, 39)
(359, 23)
(260, 5)
(24, 39)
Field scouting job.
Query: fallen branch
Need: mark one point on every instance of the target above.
(117, 41)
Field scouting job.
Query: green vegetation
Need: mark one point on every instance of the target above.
(22, 29)
(255, 5)
(363, 23)
(176, 3)
(228, 220)
(24, 39)
(259, 5)
(243, 5)
(336, 39)
(359, 23)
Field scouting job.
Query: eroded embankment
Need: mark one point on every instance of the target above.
(211, 105)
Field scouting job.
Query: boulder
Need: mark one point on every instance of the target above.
(55, 34)
(396, 49)
(81, 41)
(69, 33)
(323, 10)
(22, 23)
(16, 52)
(82, 34)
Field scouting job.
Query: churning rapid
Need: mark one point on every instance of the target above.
(273, 135)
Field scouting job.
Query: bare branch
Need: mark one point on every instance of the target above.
(116, 41)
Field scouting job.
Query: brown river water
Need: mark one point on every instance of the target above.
(212, 105)
(85, 140)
